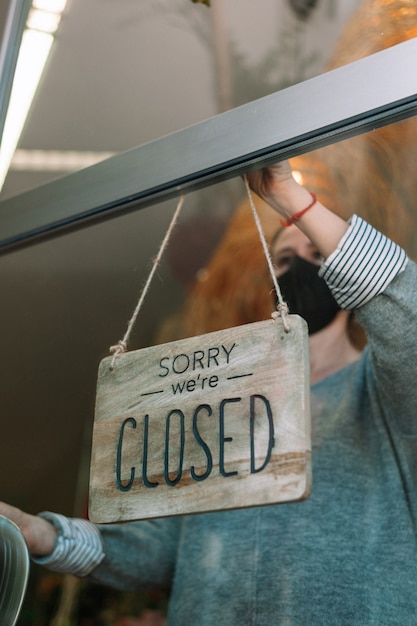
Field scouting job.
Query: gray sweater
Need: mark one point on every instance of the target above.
(346, 555)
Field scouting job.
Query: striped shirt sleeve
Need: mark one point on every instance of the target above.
(78, 549)
(363, 265)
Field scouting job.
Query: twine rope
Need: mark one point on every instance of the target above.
(282, 307)
(121, 346)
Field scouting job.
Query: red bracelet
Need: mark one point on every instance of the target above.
(297, 216)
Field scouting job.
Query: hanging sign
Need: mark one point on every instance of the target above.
(213, 422)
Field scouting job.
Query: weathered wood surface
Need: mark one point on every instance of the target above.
(212, 422)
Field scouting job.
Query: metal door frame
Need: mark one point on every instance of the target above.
(364, 95)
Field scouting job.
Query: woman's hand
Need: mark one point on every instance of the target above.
(271, 179)
(40, 535)
(275, 184)
(277, 187)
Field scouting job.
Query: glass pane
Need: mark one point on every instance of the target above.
(66, 301)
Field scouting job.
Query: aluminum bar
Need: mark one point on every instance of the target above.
(363, 95)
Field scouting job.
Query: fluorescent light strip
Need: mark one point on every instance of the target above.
(53, 6)
(44, 21)
(55, 160)
(33, 54)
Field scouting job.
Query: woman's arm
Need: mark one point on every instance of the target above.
(123, 556)
(367, 273)
(276, 185)
(66, 545)
(39, 533)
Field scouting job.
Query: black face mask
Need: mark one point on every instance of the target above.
(308, 295)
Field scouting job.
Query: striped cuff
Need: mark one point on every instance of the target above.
(363, 265)
(78, 549)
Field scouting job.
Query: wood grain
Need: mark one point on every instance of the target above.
(207, 423)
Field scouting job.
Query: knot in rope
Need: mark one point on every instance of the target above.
(282, 311)
(117, 351)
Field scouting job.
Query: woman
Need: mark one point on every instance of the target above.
(346, 555)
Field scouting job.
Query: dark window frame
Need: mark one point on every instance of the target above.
(375, 91)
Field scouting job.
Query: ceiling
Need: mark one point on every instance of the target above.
(122, 74)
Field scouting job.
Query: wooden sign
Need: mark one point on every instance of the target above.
(212, 422)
